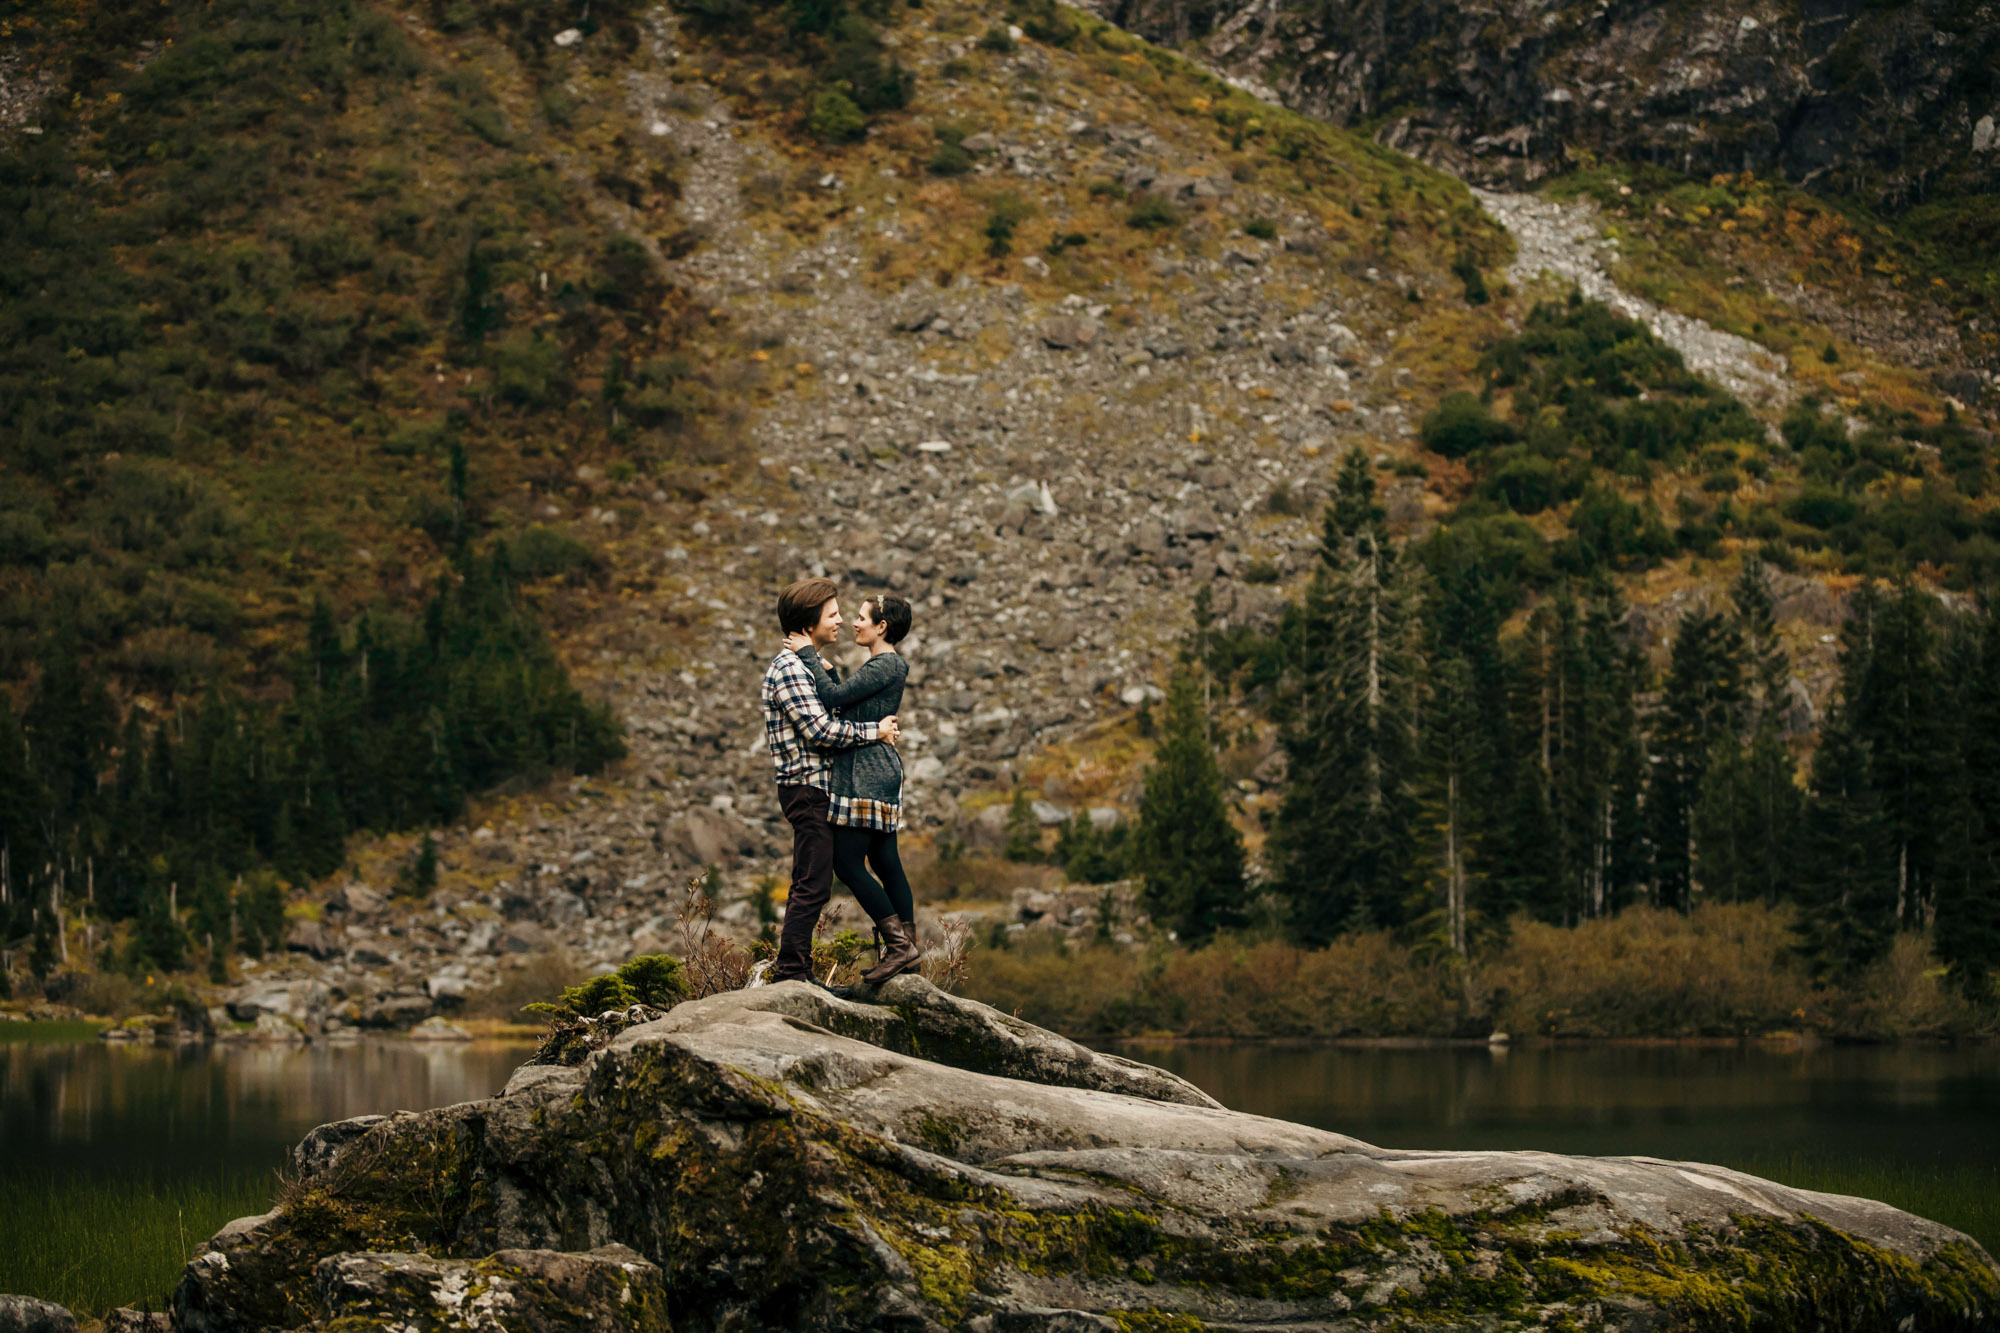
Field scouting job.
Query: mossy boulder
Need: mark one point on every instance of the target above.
(792, 1160)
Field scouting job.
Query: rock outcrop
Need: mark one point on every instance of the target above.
(782, 1158)
(1891, 102)
(25, 1314)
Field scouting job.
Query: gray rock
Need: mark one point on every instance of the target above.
(988, 829)
(304, 1003)
(128, 1320)
(1066, 332)
(791, 1159)
(310, 937)
(1148, 537)
(611, 1289)
(522, 937)
(394, 1009)
(25, 1314)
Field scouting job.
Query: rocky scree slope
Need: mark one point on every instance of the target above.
(1047, 445)
(1046, 451)
(782, 1158)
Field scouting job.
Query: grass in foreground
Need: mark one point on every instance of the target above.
(1959, 1195)
(96, 1244)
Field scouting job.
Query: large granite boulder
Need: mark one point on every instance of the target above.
(785, 1159)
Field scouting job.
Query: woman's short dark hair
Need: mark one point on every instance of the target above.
(892, 614)
(798, 605)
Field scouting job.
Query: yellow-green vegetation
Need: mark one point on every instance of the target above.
(1723, 970)
(324, 251)
(98, 1244)
(1587, 413)
(1725, 249)
(1368, 208)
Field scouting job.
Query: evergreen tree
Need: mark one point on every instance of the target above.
(1900, 714)
(1024, 831)
(1846, 890)
(1344, 834)
(1700, 707)
(1454, 756)
(1767, 667)
(1968, 888)
(1746, 820)
(1185, 846)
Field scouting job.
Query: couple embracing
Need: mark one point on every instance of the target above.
(840, 780)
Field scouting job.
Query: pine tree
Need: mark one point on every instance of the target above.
(1344, 833)
(1024, 831)
(1767, 667)
(1967, 935)
(1700, 707)
(1746, 817)
(1454, 757)
(1900, 715)
(1746, 820)
(1185, 846)
(1846, 889)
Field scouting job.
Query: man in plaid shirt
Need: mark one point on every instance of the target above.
(800, 730)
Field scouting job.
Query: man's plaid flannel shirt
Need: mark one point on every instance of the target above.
(798, 727)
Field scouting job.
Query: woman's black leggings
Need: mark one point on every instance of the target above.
(854, 850)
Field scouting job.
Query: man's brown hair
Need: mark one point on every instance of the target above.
(798, 605)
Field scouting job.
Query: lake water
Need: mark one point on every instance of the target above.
(1918, 1106)
(98, 1108)
(153, 1129)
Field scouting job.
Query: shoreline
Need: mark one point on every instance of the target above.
(35, 1032)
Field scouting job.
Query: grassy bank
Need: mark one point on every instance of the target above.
(1723, 971)
(93, 1245)
(1958, 1195)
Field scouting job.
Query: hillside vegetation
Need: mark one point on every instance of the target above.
(387, 386)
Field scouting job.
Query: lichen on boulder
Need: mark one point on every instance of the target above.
(790, 1159)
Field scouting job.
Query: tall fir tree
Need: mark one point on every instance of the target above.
(1447, 907)
(1746, 816)
(1700, 706)
(1184, 845)
(1900, 713)
(1846, 892)
(1344, 833)
(1967, 934)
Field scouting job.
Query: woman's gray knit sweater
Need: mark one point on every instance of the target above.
(871, 692)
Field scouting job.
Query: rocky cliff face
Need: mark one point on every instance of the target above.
(1889, 102)
(784, 1159)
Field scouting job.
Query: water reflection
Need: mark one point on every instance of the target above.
(108, 1109)
(1711, 1103)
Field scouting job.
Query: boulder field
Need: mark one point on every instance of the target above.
(786, 1159)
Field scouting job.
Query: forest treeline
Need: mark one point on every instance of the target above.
(1473, 738)
(189, 823)
(1448, 776)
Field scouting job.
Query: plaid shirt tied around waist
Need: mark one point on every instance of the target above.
(800, 729)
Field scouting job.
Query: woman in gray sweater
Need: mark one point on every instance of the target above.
(866, 783)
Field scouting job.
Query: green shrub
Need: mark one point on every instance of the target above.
(1006, 212)
(539, 552)
(529, 369)
(1819, 508)
(997, 39)
(1150, 212)
(1466, 269)
(1044, 20)
(835, 117)
(1262, 228)
(950, 159)
(1461, 425)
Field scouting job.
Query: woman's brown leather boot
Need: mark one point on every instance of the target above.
(900, 953)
